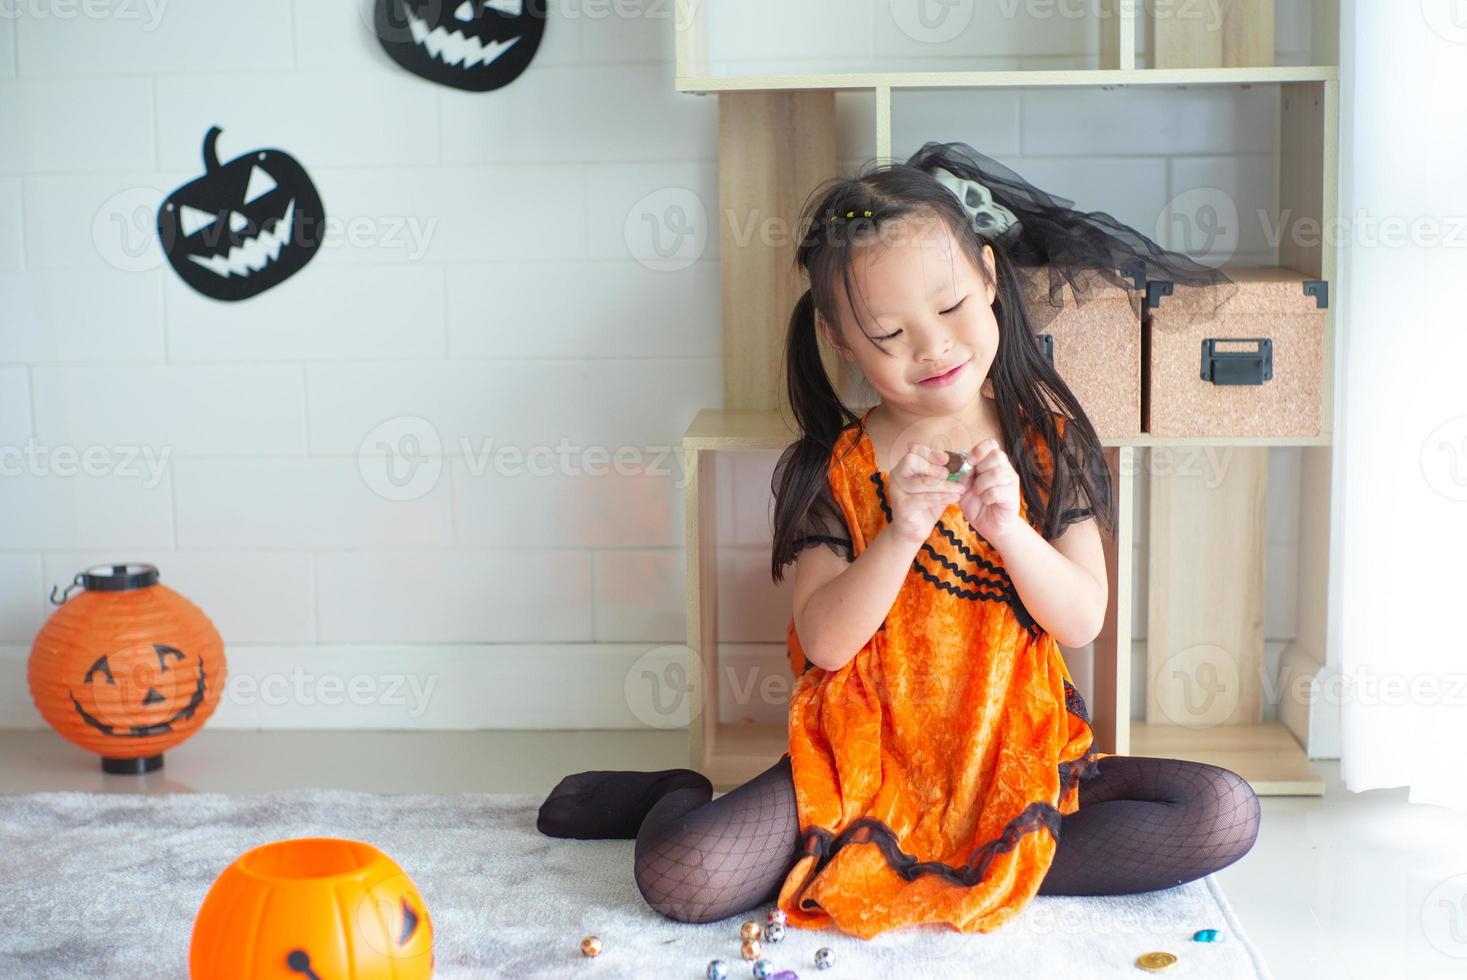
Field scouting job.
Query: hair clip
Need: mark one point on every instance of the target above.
(850, 214)
(989, 218)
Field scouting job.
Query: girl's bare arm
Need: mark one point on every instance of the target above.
(1062, 583)
(839, 605)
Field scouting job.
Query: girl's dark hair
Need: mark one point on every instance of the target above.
(1025, 383)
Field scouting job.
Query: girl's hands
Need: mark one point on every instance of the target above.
(990, 499)
(920, 491)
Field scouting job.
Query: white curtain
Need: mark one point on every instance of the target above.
(1401, 436)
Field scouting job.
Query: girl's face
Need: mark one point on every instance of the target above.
(930, 312)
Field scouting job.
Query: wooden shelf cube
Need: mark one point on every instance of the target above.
(758, 296)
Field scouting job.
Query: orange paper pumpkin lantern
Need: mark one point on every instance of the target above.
(127, 668)
(322, 907)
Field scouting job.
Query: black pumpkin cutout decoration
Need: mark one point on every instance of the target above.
(475, 45)
(243, 226)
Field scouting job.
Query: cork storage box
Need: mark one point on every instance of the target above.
(1251, 365)
(1095, 345)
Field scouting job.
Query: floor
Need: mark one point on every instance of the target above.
(1348, 885)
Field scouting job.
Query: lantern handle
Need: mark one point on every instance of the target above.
(76, 583)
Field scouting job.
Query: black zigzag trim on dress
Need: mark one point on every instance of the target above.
(1087, 765)
(823, 845)
(868, 830)
(1006, 597)
(1003, 586)
(963, 549)
(1075, 704)
(1073, 771)
(999, 586)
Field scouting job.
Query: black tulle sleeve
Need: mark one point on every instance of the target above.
(1073, 514)
(1075, 506)
(823, 524)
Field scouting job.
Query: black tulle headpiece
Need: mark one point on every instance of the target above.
(1038, 229)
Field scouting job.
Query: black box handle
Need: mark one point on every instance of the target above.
(1155, 290)
(1244, 367)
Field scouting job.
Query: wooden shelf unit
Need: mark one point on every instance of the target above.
(796, 113)
(1034, 78)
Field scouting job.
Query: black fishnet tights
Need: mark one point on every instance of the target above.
(1144, 823)
(700, 861)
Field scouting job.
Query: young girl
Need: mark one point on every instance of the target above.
(940, 764)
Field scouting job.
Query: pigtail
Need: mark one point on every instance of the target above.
(819, 411)
(800, 476)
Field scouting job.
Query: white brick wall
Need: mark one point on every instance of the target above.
(507, 293)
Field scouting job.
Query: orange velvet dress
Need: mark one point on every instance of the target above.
(932, 769)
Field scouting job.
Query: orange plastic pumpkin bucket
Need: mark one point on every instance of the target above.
(127, 668)
(323, 907)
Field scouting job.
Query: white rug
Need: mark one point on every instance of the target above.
(96, 885)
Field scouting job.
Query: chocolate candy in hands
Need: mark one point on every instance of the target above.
(958, 465)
